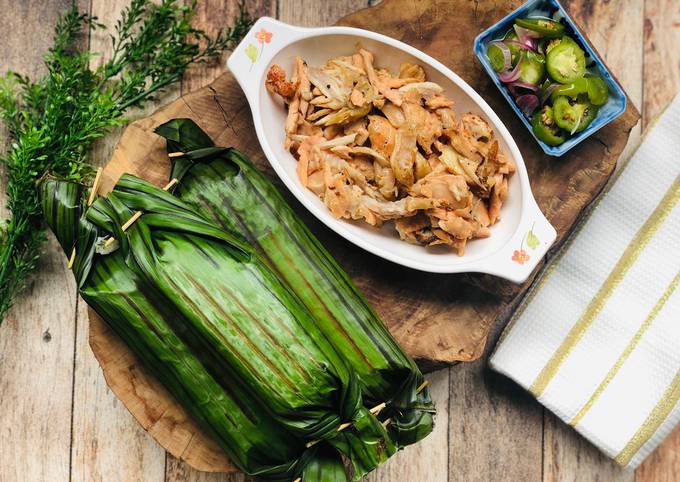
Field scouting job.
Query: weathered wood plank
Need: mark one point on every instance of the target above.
(494, 427)
(615, 30)
(662, 56)
(36, 375)
(310, 13)
(662, 83)
(108, 443)
(426, 461)
(211, 16)
(179, 471)
(567, 456)
(663, 465)
(37, 336)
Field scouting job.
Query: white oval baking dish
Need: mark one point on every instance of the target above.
(519, 240)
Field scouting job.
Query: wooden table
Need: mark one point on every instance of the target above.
(59, 422)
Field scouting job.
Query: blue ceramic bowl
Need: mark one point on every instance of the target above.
(614, 107)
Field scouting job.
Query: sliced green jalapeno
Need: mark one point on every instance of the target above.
(543, 124)
(598, 92)
(573, 115)
(546, 27)
(532, 68)
(592, 86)
(566, 61)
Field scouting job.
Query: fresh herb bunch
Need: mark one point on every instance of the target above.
(52, 122)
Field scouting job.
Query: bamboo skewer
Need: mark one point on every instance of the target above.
(172, 182)
(131, 221)
(422, 386)
(378, 408)
(136, 216)
(72, 258)
(95, 187)
(374, 411)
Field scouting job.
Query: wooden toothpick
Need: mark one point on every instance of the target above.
(72, 259)
(95, 187)
(131, 221)
(109, 241)
(175, 154)
(172, 182)
(376, 410)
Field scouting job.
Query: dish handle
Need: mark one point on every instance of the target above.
(252, 56)
(518, 259)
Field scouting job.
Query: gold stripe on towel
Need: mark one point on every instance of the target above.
(629, 349)
(627, 259)
(652, 422)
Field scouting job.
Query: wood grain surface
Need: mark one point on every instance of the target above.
(45, 387)
(37, 335)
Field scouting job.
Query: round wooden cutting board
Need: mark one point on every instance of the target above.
(438, 319)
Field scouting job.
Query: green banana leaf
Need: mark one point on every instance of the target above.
(145, 320)
(240, 311)
(223, 185)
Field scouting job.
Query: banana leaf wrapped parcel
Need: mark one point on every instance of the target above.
(223, 185)
(222, 333)
(144, 320)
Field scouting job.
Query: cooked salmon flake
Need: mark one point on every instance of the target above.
(388, 148)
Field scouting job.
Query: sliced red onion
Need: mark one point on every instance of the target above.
(507, 56)
(526, 33)
(519, 88)
(532, 44)
(525, 85)
(510, 75)
(527, 37)
(547, 92)
(527, 103)
(520, 45)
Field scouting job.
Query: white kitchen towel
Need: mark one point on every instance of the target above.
(597, 340)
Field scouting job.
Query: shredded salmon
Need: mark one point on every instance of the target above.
(387, 147)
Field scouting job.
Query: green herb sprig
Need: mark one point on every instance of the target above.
(54, 121)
